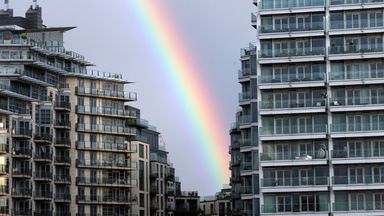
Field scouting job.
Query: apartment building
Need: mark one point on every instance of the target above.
(312, 88)
(218, 205)
(66, 134)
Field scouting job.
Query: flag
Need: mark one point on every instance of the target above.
(6, 1)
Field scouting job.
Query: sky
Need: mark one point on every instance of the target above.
(212, 32)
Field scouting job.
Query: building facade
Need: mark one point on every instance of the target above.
(67, 138)
(218, 205)
(312, 87)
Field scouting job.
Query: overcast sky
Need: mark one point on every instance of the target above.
(214, 30)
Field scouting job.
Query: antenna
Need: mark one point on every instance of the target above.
(6, 2)
(34, 5)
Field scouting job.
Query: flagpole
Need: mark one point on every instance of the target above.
(6, 2)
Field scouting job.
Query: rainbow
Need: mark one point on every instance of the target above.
(192, 93)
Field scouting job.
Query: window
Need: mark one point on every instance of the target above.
(284, 204)
(307, 203)
(357, 202)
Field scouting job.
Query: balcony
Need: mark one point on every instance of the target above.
(170, 191)
(361, 103)
(284, 80)
(43, 156)
(271, 56)
(246, 168)
(106, 129)
(62, 197)
(287, 106)
(21, 192)
(120, 95)
(106, 182)
(63, 142)
(22, 211)
(106, 111)
(360, 77)
(245, 120)
(291, 6)
(358, 156)
(43, 213)
(320, 208)
(20, 132)
(43, 175)
(43, 195)
(62, 160)
(43, 137)
(117, 200)
(107, 164)
(364, 129)
(63, 105)
(314, 131)
(358, 182)
(4, 148)
(63, 124)
(22, 173)
(4, 189)
(355, 4)
(366, 207)
(62, 179)
(308, 29)
(295, 184)
(22, 152)
(347, 52)
(154, 206)
(293, 158)
(246, 73)
(154, 189)
(3, 169)
(114, 147)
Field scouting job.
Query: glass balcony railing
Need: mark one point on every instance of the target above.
(132, 96)
(62, 123)
(246, 189)
(63, 104)
(45, 194)
(358, 101)
(22, 192)
(20, 131)
(43, 155)
(43, 174)
(276, 156)
(245, 96)
(245, 119)
(106, 146)
(22, 152)
(63, 141)
(312, 26)
(362, 207)
(358, 179)
(22, 172)
(245, 142)
(62, 178)
(106, 199)
(358, 25)
(107, 163)
(106, 181)
(290, 4)
(246, 73)
(63, 196)
(350, 2)
(304, 208)
(358, 153)
(289, 104)
(295, 130)
(22, 211)
(62, 159)
(285, 78)
(44, 137)
(105, 111)
(362, 127)
(356, 75)
(101, 128)
(314, 51)
(246, 166)
(295, 181)
(348, 49)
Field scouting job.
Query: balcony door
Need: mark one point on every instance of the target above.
(356, 175)
(280, 24)
(355, 149)
(283, 152)
(283, 178)
(357, 202)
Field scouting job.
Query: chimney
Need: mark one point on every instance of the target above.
(34, 16)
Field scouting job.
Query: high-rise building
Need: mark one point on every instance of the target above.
(312, 117)
(66, 134)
